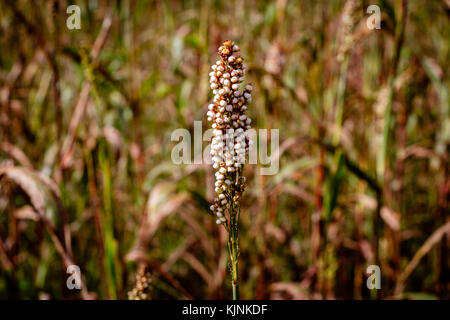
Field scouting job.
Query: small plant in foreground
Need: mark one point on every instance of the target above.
(230, 144)
(142, 287)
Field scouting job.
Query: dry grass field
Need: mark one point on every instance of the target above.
(87, 178)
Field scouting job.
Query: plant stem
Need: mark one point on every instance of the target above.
(234, 267)
(233, 247)
(235, 282)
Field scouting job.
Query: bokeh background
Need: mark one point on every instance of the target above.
(86, 176)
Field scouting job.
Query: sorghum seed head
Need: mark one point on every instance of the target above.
(229, 146)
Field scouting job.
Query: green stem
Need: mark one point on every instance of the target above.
(233, 247)
(236, 292)
(234, 270)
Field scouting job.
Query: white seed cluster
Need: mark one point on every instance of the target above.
(230, 143)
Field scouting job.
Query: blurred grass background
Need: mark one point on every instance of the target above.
(86, 175)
